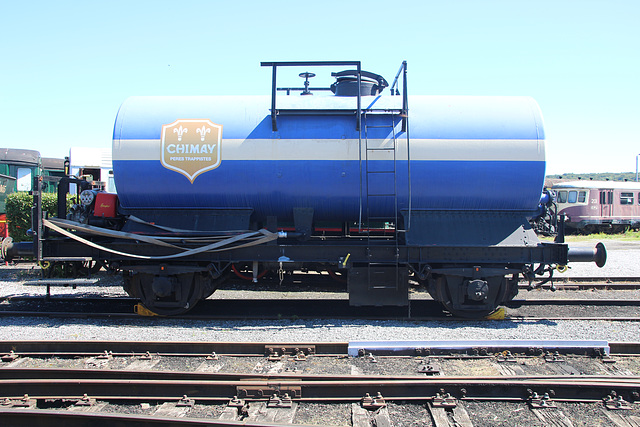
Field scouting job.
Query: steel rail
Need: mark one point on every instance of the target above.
(77, 315)
(444, 317)
(229, 309)
(73, 374)
(561, 388)
(572, 318)
(126, 300)
(44, 417)
(42, 348)
(585, 285)
(565, 301)
(587, 279)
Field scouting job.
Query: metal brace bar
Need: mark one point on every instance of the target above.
(274, 65)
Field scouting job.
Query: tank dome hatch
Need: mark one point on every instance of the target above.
(346, 83)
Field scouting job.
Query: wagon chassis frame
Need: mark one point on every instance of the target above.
(450, 273)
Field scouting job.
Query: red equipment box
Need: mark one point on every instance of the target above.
(106, 205)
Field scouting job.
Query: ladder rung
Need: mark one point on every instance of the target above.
(382, 110)
(380, 126)
(382, 195)
(381, 149)
(368, 171)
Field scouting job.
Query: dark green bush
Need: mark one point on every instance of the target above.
(19, 212)
(19, 215)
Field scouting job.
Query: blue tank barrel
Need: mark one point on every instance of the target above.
(467, 153)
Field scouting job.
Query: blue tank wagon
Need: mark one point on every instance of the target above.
(380, 188)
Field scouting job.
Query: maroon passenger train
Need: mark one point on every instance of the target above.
(599, 206)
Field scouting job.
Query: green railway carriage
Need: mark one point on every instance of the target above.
(18, 168)
(23, 165)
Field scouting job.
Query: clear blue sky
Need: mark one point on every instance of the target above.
(68, 65)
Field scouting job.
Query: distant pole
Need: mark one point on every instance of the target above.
(637, 167)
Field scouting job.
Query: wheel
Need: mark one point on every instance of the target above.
(619, 229)
(209, 286)
(168, 295)
(472, 298)
(443, 295)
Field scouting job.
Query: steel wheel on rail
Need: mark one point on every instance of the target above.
(471, 298)
(168, 295)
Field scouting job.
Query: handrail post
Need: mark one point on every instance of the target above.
(36, 217)
(274, 123)
(405, 99)
(359, 98)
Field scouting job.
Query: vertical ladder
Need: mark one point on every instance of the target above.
(381, 188)
(380, 277)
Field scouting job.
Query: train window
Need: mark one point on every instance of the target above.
(582, 196)
(562, 197)
(24, 179)
(626, 198)
(573, 196)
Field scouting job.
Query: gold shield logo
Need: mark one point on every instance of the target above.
(191, 146)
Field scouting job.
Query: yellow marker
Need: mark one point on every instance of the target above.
(562, 268)
(499, 314)
(141, 310)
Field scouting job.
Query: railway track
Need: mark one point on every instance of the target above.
(49, 383)
(139, 385)
(587, 283)
(233, 309)
(479, 349)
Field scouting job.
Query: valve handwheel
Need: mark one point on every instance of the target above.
(306, 76)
